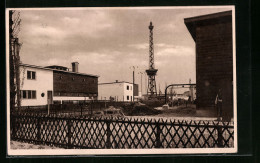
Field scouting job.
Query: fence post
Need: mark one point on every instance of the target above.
(158, 136)
(38, 130)
(109, 133)
(92, 103)
(69, 133)
(220, 137)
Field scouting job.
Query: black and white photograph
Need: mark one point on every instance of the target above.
(121, 80)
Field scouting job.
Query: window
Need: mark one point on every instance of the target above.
(127, 87)
(127, 97)
(29, 94)
(24, 94)
(33, 94)
(31, 75)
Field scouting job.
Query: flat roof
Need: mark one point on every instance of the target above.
(209, 19)
(51, 69)
(115, 83)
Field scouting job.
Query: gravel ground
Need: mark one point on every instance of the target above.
(21, 145)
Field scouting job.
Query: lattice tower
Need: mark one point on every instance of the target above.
(151, 72)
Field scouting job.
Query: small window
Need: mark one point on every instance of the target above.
(24, 94)
(29, 94)
(33, 94)
(127, 87)
(31, 75)
(127, 97)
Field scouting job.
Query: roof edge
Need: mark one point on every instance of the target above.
(45, 68)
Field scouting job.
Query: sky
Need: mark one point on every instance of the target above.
(109, 42)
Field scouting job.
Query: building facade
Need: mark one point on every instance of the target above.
(117, 91)
(214, 58)
(36, 83)
(55, 84)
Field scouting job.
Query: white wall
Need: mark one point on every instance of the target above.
(66, 98)
(128, 92)
(42, 84)
(115, 90)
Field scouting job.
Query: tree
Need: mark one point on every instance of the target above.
(14, 59)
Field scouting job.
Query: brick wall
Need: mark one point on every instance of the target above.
(69, 84)
(214, 63)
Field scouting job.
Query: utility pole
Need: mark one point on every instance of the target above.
(141, 73)
(133, 80)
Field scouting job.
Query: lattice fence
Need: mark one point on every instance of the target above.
(120, 133)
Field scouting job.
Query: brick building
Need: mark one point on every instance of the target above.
(214, 58)
(72, 85)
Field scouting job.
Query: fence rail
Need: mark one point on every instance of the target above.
(70, 108)
(120, 133)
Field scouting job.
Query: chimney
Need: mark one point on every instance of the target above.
(75, 67)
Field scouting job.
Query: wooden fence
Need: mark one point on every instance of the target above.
(119, 133)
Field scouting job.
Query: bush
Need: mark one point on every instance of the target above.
(139, 110)
(154, 103)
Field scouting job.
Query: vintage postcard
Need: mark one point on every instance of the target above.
(121, 80)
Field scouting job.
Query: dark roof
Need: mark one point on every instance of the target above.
(53, 66)
(51, 69)
(210, 19)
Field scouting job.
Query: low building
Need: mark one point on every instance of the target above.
(214, 58)
(55, 84)
(36, 85)
(117, 91)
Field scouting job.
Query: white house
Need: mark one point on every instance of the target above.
(36, 85)
(117, 91)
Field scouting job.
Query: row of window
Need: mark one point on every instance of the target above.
(74, 94)
(127, 87)
(28, 94)
(127, 97)
(94, 81)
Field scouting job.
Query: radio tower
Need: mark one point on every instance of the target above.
(151, 72)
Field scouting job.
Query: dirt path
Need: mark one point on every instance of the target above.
(21, 145)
